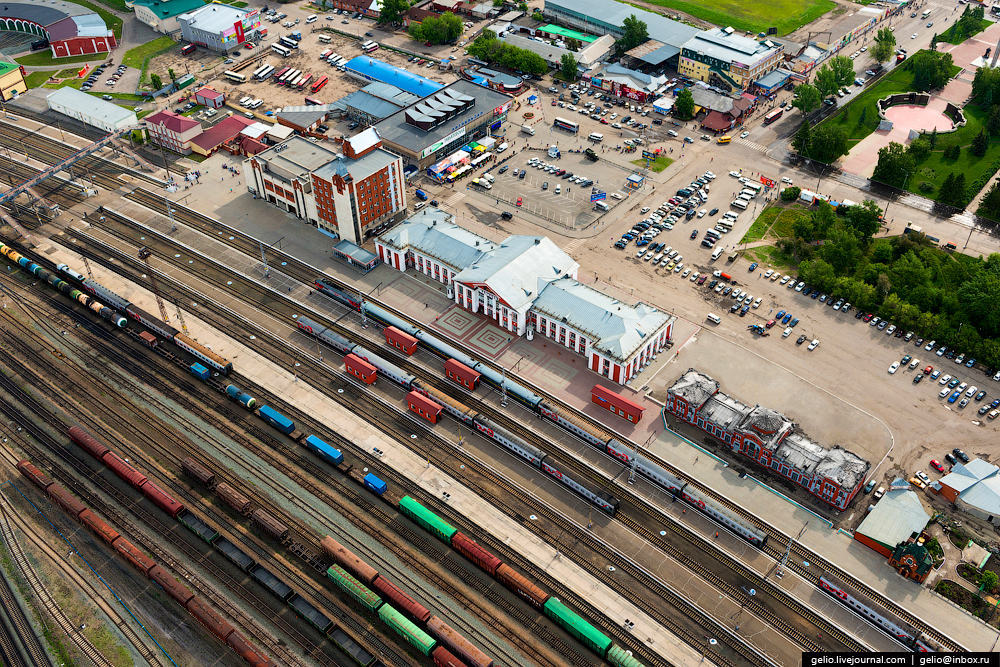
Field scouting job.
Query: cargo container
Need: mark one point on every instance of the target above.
(99, 527)
(400, 340)
(458, 645)
(121, 468)
(323, 450)
(34, 475)
(276, 419)
(65, 500)
(619, 657)
(400, 600)
(148, 339)
(481, 557)
(350, 647)
(197, 526)
(375, 485)
(233, 498)
(358, 591)
(200, 371)
(234, 554)
(238, 643)
(416, 637)
(170, 585)
(246, 400)
(348, 560)
(280, 589)
(426, 519)
(134, 557)
(309, 613)
(272, 526)
(198, 471)
(577, 626)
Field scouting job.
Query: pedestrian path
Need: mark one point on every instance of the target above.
(573, 245)
(752, 145)
(453, 200)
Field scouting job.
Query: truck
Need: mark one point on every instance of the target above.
(554, 151)
(591, 155)
(723, 276)
(527, 129)
(733, 256)
(482, 183)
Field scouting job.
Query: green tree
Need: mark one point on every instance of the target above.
(980, 144)
(934, 42)
(952, 191)
(392, 11)
(808, 98)
(863, 117)
(801, 140)
(568, 67)
(818, 272)
(828, 142)
(881, 252)
(885, 40)
(824, 219)
(843, 251)
(993, 122)
(438, 29)
(157, 81)
(791, 193)
(865, 218)
(573, 44)
(684, 104)
(894, 165)
(636, 33)
(522, 6)
(989, 581)
(498, 3)
(804, 228)
(989, 206)
(826, 81)
(170, 73)
(920, 148)
(933, 137)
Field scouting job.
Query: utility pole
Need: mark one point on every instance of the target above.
(144, 254)
(784, 559)
(86, 265)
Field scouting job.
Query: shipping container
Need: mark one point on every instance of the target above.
(375, 485)
(350, 647)
(461, 647)
(198, 471)
(246, 400)
(576, 626)
(520, 585)
(347, 560)
(309, 613)
(272, 526)
(323, 450)
(277, 587)
(276, 419)
(361, 593)
(197, 526)
(148, 339)
(65, 500)
(400, 600)
(88, 442)
(99, 527)
(170, 585)
(426, 519)
(211, 619)
(234, 554)
(162, 499)
(134, 557)
(478, 555)
(407, 630)
(121, 468)
(233, 498)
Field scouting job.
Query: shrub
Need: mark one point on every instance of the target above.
(926, 186)
(791, 193)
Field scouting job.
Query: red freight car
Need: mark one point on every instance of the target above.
(527, 590)
(400, 340)
(346, 559)
(198, 471)
(401, 600)
(360, 368)
(163, 500)
(134, 557)
(88, 442)
(210, 618)
(99, 527)
(233, 498)
(124, 470)
(243, 649)
(34, 475)
(457, 644)
(424, 406)
(170, 585)
(478, 555)
(148, 339)
(65, 500)
(461, 374)
(444, 658)
(272, 526)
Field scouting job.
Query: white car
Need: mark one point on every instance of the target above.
(786, 333)
(642, 251)
(645, 209)
(785, 279)
(798, 288)
(813, 345)
(756, 303)
(709, 175)
(913, 36)
(767, 274)
(686, 272)
(734, 174)
(694, 276)
(785, 179)
(617, 126)
(945, 379)
(775, 276)
(701, 213)
(745, 134)
(944, 392)
(894, 368)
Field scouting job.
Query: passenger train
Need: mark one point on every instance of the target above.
(918, 641)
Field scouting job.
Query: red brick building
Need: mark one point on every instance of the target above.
(172, 131)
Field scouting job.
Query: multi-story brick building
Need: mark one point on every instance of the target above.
(172, 131)
(727, 60)
(350, 195)
(833, 475)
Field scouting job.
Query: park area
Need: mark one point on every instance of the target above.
(755, 17)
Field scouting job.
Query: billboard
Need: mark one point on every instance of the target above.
(597, 195)
(649, 155)
(241, 28)
(438, 145)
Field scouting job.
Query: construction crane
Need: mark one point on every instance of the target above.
(144, 255)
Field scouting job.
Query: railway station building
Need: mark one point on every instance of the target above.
(527, 285)
(91, 110)
(172, 131)
(834, 475)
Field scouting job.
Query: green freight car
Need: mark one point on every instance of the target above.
(428, 520)
(619, 657)
(354, 588)
(576, 626)
(422, 641)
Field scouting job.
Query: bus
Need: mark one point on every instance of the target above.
(281, 50)
(292, 80)
(925, 14)
(266, 74)
(312, 101)
(773, 116)
(568, 125)
(288, 43)
(340, 62)
(281, 72)
(324, 39)
(235, 76)
(325, 54)
(371, 47)
(260, 70)
(332, 58)
(367, 44)
(316, 87)
(288, 76)
(304, 81)
(188, 49)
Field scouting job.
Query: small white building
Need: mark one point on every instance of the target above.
(91, 110)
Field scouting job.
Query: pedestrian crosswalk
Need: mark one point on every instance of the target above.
(573, 245)
(453, 200)
(753, 145)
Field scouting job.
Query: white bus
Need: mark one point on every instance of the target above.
(756, 187)
(341, 61)
(235, 76)
(725, 223)
(596, 137)
(281, 51)
(268, 73)
(739, 204)
(324, 39)
(260, 70)
(367, 44)
(371, 47)
(332, 58)
(288, 76)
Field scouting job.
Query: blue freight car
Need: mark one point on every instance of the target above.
(200, 371)
(323, 450)
(246, 400)
(374, 484)
(276, 419)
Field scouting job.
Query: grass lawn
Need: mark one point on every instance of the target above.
(786, 15)
(120, 96)
(71, 83)
(36, 79)
(657, 165)
(783, 224)
(760, 225)
(115, 4)
(952, 38)
(45, 58)
(138, 56)
(67, 73)
(773, 258)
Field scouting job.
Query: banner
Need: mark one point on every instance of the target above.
(597, 195)
(82, 73)
(649, 155)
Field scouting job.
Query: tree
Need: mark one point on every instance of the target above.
(826, 81)
(933, 137)
(989, 581)
(684, 104)
(568, 67)
(934, 41)
(952, 191)
(808, 98)
(635, 33)
(828, 142)
(863, 118)
(801, 140)
(438, 29)
(842, 251)
(157, 81)
(498, 3)
(392, 11)
(573, 44)
(894, 165)
(989, 206)
(170, 73)
(980, 144)
(824, 219)
(804, 228)
(993, 122)
(865, 218)
(920, 148)
(522, 6)
(791, 193)
(933, 70)
(818, 272)
(885, 40)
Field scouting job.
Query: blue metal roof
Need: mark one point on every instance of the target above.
(376, 70)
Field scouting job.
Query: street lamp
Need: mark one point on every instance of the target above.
(888, 199)
(750, 592)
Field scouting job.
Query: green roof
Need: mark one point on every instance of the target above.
(566, 33)
(6, 68)
(166, 9)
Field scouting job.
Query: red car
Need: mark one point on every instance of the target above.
(937, 465)
(928, 370)
(604, 121)
(518, 201)
(769, 324)
(553, 102)
(248, 47)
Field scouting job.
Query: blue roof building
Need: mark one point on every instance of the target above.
(367, 68)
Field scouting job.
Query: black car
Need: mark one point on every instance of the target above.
(963, 457)
(434, 202)
(353, 125)
(713, 211)
(322, 128)
(858, 315)
(950, 458)
(520, 176)
(411, 59)
(694, 233)
(801, 339)
(502, 169)
(707, 243)
(368, 34)
(917, 379)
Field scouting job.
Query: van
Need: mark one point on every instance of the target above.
(729, 215)
(714, 318)
(489, 177)
(243, 101)
(421, 195)
(749, 192)
(602, 206)
(744, 198)
(596, 137)
(717, 253)
(527, 129)
(501, 148)
(311, 18)
(756, 187)
(739, 203)
(419, 205)
(724, 139)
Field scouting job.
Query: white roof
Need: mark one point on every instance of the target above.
(91, 107)
(519, 269)
(432, 233)
(362, 141)
(214, 18)
(897, 516)
(256, 131)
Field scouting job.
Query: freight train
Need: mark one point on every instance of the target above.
(564, 418)
(205, 614)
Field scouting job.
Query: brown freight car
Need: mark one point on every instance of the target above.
(198, 471)
(444, 658)
(88, 442)
(243, 649)
(210, 618)
(65, 500)
(346, 559)
(457, 644)
(124, 470)
(163, 500)
(272, 526)
(478, 555)
(233, 498)
(401, 600)
(34, 475)
(170, 585)
(133, 556)
(99, 527)
(517, 583)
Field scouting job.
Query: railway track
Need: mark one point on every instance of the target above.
(778, 541)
